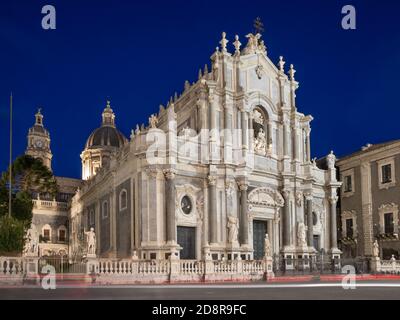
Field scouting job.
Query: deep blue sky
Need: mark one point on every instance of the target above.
(139, 53)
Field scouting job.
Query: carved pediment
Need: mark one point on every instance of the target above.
(266, 197)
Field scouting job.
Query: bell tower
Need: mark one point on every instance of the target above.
(39, 141)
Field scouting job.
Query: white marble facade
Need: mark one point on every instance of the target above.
(220, 166)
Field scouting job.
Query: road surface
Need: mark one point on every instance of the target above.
(262, 291)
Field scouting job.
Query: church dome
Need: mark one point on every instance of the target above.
(107, 135)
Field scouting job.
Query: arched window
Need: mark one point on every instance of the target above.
(46, 233)
(62, 234)
(91, 218)
(104, 213)
(262, 140)
(123, 200)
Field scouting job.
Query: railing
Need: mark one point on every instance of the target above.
(45, 204)
(253, 267)
(191, 267)
(177, 270)
(11, 269)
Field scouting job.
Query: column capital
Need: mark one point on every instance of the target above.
(286, 193)
(169, 174)
(308, 195)
(243, 185)
(212, 180)
(333, 199)
(152, 172)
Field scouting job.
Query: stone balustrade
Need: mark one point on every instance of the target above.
(158, 271)
(46, 204)
(132, 271)
(11, 269)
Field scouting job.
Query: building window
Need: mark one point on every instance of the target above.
(349, 228)
(386, 171)
(123, 200)
(388, 217)
(348, 187)
(91, 218)
(46, 233)
(388, 223)
(104, 213)
(349, 224)
(347, 177)
(62, 235)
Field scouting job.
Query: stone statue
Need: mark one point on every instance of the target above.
(233, 229)
(301, 235)
(267, 246)
(331, 159)
(260, 143)
(252, 44)
(153, 121)
(91, 242)
(376, 249)
(31, 245)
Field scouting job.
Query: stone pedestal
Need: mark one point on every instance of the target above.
(92, 265)
(375, 264)
(289, 254)
(269, 270)
(335, 255)
(32, 269)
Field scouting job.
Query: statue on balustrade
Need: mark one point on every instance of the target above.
(91, 242)
(31, 243)
(376, 249)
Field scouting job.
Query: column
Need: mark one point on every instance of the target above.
(212, 213)
(244, 220)
(310, 223)
(170, 205)
(296, 155)
(251, 133)
(285, 138)
(228, 134)
(308, 146)
(332, 202)
(286, 218)
(244, 127)
(113, 220)
(98, 228)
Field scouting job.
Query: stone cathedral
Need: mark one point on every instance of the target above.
(224, 163)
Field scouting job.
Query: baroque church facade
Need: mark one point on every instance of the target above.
(224, 164)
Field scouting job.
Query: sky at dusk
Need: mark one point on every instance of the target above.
(138, 53)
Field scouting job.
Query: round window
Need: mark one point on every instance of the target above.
(186, 205)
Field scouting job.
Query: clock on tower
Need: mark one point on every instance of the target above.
(39, 141)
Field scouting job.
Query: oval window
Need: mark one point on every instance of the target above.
(186, 205)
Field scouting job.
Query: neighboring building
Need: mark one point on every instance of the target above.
(204, 197)
(50, 219)
(370, 197)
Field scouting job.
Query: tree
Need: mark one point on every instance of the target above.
(29, 176)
